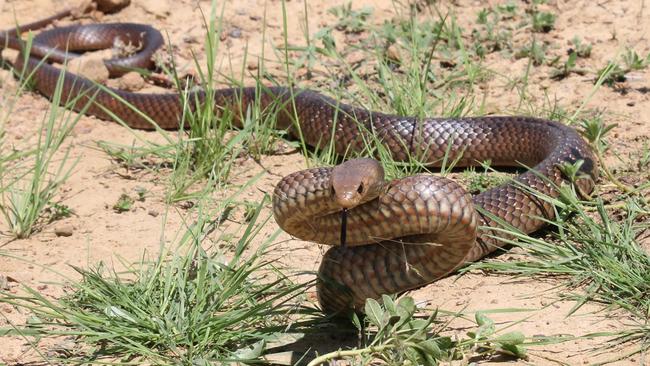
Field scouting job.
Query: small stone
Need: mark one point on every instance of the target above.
(63, 230)
(84, 127)
(190, 39)
(153, 213)
(131, 81)
(90, 66)
(10, 54)
(544, 302)
(545, 84)
(392, 53)
(41, 287)
(235, 33)
(252, 65)
(111, 6)
(634, 77)
(186, 205)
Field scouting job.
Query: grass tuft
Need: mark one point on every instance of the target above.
(30, 182)
(188, 306)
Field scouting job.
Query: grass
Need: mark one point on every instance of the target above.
(185, 306)
(205, 147)
(30, 181)
(197, 304)
(599, 258)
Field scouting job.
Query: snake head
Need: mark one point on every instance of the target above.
(356, 181)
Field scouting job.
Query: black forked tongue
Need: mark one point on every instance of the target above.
(344, 226)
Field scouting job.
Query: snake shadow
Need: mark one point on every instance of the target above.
(323, 335)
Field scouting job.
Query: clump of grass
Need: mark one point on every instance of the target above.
(495, 29)
(543, 21)
(349, 20)
(633, 61)
(581, 48)
(205, 148)
(188, 306)
(478, 182)
(59, 211)
(124, 203)
(536, 52)
(644, 158)
(611, 74)
(30, 182)
(599, 254)
(206, 151)
(568, 67)
(398, 75)
(614, 72)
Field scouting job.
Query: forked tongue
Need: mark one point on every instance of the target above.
(344, 226)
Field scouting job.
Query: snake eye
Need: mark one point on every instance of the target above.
(360, 189)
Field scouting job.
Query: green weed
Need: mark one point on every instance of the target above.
(543, 21)
(536, 52)
(124, 203)
(394, 333)
(352, 21)
(581, 49)
(37, 177)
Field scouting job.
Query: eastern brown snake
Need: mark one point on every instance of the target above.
(417, 229)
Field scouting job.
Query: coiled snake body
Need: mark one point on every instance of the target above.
(400, 234)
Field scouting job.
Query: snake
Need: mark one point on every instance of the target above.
(400, 234)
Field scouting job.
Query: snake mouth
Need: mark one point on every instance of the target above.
(348, 200)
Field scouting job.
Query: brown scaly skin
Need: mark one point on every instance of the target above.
(416, 230)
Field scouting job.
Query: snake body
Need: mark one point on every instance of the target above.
(401, 234)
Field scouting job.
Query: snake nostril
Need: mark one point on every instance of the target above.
(360, 189)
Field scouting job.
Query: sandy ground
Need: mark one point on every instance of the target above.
(99, 233)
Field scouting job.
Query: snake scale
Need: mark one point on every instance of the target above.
(401, 234)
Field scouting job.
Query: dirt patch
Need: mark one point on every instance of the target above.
(97, 232)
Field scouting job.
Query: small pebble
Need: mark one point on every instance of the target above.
(111, 5)
(153, 213)
(235, 33)
(251, 65)
(131, 81)
(393, 54)
(90, 66)
(190, 39)
(544, 302)
(63, 230)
